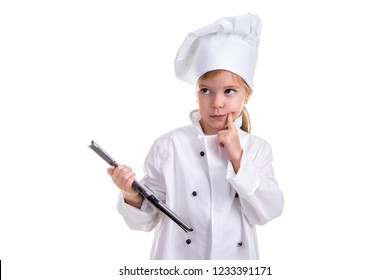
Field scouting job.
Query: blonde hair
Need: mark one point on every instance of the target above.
(246, 121)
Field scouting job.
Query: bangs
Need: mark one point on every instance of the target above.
(215, 73)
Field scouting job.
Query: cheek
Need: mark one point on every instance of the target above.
(201, 106)
(202, 103)
(238, 108)
(237, 112)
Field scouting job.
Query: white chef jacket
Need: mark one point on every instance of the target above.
(191, 173)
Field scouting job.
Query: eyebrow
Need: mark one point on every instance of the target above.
(202, 85)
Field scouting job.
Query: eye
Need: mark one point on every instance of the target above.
(230, 91)
(205, 91)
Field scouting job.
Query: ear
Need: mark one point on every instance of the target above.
(248, 96)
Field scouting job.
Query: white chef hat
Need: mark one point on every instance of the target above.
(230, 43)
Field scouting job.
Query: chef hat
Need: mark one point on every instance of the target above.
(230, 43)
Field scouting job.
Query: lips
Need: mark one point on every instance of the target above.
(218, 116)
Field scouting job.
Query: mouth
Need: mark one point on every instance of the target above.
(218, 117)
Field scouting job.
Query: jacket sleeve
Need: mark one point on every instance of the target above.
(137, 219)
(260, 196)
(147, 217)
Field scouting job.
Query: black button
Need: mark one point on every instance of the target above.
(201, 153)
(236, 195)
(194, 193)
(188, 241)
(239, 244)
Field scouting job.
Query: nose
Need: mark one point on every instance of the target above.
(218, 101)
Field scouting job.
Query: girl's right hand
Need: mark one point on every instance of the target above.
(123, 177)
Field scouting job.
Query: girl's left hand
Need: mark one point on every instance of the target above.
(228, 139)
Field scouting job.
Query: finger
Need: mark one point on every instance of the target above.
(129, 182)
(221, 138)
(116, 171)
(110, 170)
(230, 122)
(124, 178)
(120, 170)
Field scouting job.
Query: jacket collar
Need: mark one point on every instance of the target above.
(195, 118)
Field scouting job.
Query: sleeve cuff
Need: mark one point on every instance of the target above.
(135, 216)
(243, 181)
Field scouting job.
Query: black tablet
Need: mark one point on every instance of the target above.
(144, 190)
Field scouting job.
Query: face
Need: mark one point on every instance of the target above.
(218, 96)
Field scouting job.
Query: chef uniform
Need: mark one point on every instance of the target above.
(191, 173)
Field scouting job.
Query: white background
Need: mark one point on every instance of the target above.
(73, 71)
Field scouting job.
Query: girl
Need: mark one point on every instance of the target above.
(213, 173)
